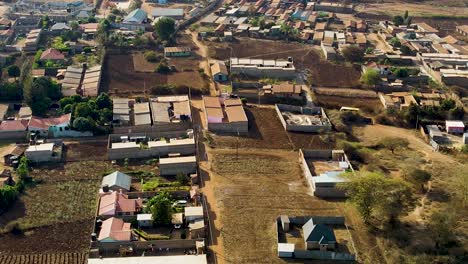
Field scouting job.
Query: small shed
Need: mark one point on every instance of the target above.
(285, 250)
(318, 236)
(285, 223)
(454, 126)
(193, 213)
(145, 220)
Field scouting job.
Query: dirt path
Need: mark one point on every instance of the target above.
(204, 64)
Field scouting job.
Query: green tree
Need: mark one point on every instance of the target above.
(23, 168)
(164, 28)
(84, 124)
(8, 195)
(416, 176)
(160, 207)
(353, 54)
(447, 104)
(83, 110)
(104, 101)
(441, 225)
(401, 72)
(182, 178)
(394, 143)
(371, 77)
(376, 196)
(11, 91)
(14, 71)
(406, 50)
(163, 68)
(405, 16)
(105, 115)
(395, 42)
(398, 20)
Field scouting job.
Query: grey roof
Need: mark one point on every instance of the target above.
(167, 12)
(318, 233)
(60, 26)
(160, 112)
(136, 16)
(118, 179)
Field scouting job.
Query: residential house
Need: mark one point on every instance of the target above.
(40, 153)
(177, 51)
(115, 230)
(121, 111)
(13, 129)
(59, 28)
(135, 20)
(5, 23)
(462, 30)
(145, 220)
(318, 236)
(116, 181)
(397, 100)
(117, 203)
(176, 165)
(3, 111)
(175, 13)
(454, 126)
(171, 112)
(6, 179)
(279, 69)
(141, 114)
(284, 90)
(57, 126)
(225, 115)
(13, 154)
(219, 72)
(426, 29)
(193, 213)
(53, 55)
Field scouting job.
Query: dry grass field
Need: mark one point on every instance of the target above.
(253, 189)
(449, 8)
(306, 57)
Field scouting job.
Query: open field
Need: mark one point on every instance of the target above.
(266, 131)
(56, 212)
(69, 258)
(252, 190)
(336, 102)
(121, 79)
(449, 8)
(306, 58)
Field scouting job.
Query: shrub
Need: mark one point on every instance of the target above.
(151, 56)
(163, 68)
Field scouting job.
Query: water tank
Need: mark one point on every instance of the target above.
(93, 237)
(105, 188)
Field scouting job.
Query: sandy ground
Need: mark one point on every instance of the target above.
(379, 43)
(397, 7)
(203, 52)
(372, 134)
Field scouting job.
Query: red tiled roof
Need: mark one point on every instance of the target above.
(45, 123)
(115, 229)
(14, 125)
(52, 54)
(119, 203)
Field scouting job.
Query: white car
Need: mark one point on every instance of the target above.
(181, 203)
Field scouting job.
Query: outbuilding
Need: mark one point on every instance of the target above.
(145, 220)
(219, 72)
(117, 181)
(454, 126)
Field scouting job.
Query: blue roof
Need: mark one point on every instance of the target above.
(319, 233)
(136, 16)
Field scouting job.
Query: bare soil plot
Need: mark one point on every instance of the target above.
(306, 57)
(265, 131)
(188, 78)
(416, 8)
(253, 189)
(82, 152)
(336, 102)
(120, 78)
(140, 64)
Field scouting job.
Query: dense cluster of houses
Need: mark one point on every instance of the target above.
(443, 58)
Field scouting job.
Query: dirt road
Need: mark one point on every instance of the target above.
(204, 63)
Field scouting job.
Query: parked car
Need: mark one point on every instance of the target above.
(180, 203)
